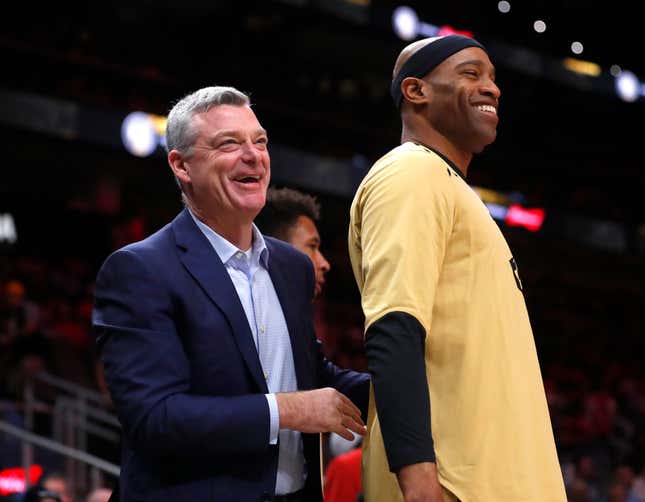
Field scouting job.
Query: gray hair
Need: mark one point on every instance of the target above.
(180, 134)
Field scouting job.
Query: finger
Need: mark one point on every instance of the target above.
(354, 426)
(353, 412)
(346, 401)
(344, 433)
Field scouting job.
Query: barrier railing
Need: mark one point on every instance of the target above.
(96, 464)
(77, 412)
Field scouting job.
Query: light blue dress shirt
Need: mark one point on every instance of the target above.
(250, 276)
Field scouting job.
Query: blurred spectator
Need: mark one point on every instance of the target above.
(343, 477)
(99, 495)
(586, 471)
(290, 215)
(52, 487)
(578, 491)
(638, 487)
(20, 316)
(617, 493)
(57, 483)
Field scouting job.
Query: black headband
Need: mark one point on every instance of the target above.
(427, 58)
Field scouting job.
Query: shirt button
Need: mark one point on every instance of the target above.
(261, 329)
(266, 375)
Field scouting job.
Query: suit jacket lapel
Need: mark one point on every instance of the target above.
(287, 298)
(203, 263)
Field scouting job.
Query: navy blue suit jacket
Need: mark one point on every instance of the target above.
(184, 374)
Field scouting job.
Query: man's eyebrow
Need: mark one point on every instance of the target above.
(475, 62)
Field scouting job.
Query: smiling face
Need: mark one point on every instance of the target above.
(226, 173)
(303, 235)
(463, 99)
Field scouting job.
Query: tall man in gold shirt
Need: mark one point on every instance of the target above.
(457, 405)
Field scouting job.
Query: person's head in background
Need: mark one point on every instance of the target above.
(52, 487)
(99, 495)
(290, 215)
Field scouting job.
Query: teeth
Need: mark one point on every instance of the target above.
(487, 108)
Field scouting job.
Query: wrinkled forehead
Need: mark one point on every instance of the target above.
(226, 118)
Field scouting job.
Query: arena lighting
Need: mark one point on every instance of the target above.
(517, 216)
(627, 86)
(582, 67)
(13, 480)
(503, 6)
(8, 231)
(407, 26)
(577, 47)
(405, 22)
(492, 196)
(139, 135)
(531, 219)
(497, 211)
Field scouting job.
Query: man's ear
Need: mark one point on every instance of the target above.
(414, 90)
(177, 163)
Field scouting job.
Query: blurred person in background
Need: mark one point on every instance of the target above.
(52, 487)
(446, 325)
(99, 495)
(20, 316)
(206, 335)
(24, 349)
(291, 216)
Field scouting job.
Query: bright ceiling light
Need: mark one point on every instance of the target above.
(627, 86)
(539, 26)
(577, 48)
(405, 22)
(503, 6)
(138, 134)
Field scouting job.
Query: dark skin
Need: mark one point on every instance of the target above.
(452, 109)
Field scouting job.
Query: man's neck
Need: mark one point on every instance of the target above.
(432, 139)
(237, 231)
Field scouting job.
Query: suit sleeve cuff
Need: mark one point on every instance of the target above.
(274, 418)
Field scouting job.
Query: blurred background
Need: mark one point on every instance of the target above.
(83, 98)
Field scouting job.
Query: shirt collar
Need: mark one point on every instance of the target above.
(225, 250)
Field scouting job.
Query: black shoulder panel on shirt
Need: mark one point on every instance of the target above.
(395, 347)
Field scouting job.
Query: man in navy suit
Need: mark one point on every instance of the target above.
(205, 332)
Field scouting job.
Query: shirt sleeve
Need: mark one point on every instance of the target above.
(274, 418)
(406, 213)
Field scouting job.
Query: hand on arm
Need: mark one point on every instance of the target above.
(420, 483)
(320, 410)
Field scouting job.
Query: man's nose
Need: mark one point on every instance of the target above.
(323, 263)
(250, 152)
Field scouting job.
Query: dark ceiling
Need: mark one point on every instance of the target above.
(318, 74)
